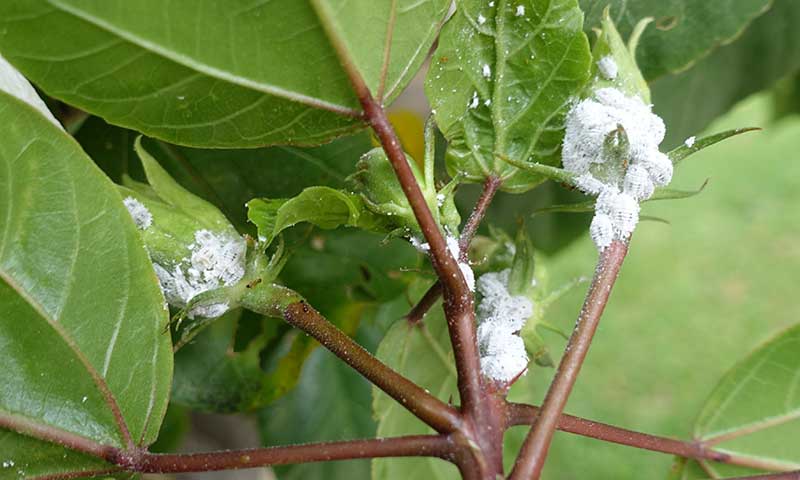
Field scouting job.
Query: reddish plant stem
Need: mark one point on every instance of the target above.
(526, 415)
(410, 446)
(458, 298)
(772, 476)
(490, 187)
(440, 416)
(532, 455)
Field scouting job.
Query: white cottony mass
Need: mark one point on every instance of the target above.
(589, 147)
(215, 260)
(140, 214)
(500, 318)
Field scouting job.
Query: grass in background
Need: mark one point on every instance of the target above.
(693, 297)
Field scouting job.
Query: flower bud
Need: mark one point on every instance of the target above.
(377, 183)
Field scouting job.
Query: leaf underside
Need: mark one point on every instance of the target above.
(754, 412)
(81, 313)
(218, 74)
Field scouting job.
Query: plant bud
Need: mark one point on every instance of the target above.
(193, 247)
(377, 184)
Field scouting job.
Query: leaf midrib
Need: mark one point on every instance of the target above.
(201, 67)
(102, 385)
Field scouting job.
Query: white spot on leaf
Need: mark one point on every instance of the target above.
(140, 214)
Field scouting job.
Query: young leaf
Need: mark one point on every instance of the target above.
(421, 353)
(231, 74)
(324, 207)
(685, 30)
(693, 145)
(81, 314)
(500, 82)
(754, 412)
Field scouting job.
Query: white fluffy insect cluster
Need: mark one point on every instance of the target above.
(590, 124)
(455, 251)
(608, 67)
(140, 214)
(215, 260)
(500, 318)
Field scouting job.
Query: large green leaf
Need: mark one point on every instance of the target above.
(421, 353)
(331, 402)
(500, 83)
(81, 314)
(236, 73)
(754, 412)
(768, 50)
(684, 30)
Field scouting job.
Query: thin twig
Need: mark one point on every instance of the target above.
(526, 415)
(410, 446)
(772, 476)
(490, 187)
(440, 416)
(532, 455)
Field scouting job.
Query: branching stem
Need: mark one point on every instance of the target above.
(490, 187)
(533, 452)
(440, 416)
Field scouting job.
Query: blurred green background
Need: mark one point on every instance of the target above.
(693, 298)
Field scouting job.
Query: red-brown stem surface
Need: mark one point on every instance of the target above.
(534, 451)
(440, 416)
(411, 446)
(490, 187)
(526, 415)
(772, 476)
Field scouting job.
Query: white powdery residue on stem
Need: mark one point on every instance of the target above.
(608, 67)
(621, 179)
(455, 251)
(500, 318)
(215, 260)
(689, 142)
(481, 19)
(140, 214)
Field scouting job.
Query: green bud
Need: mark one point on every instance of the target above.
(378, 186)
(615, 62)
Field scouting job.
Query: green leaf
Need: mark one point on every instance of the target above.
(324, 207)
(768, 50)
(521, 279)
(685, 30)
(331, 402)
(227, 178)
(627, 76)
(754, 412)
(693, 146)
(341, 271)
(232, 74)
(211, 375)
(500, 84)
(81, 314)
(421, 353)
